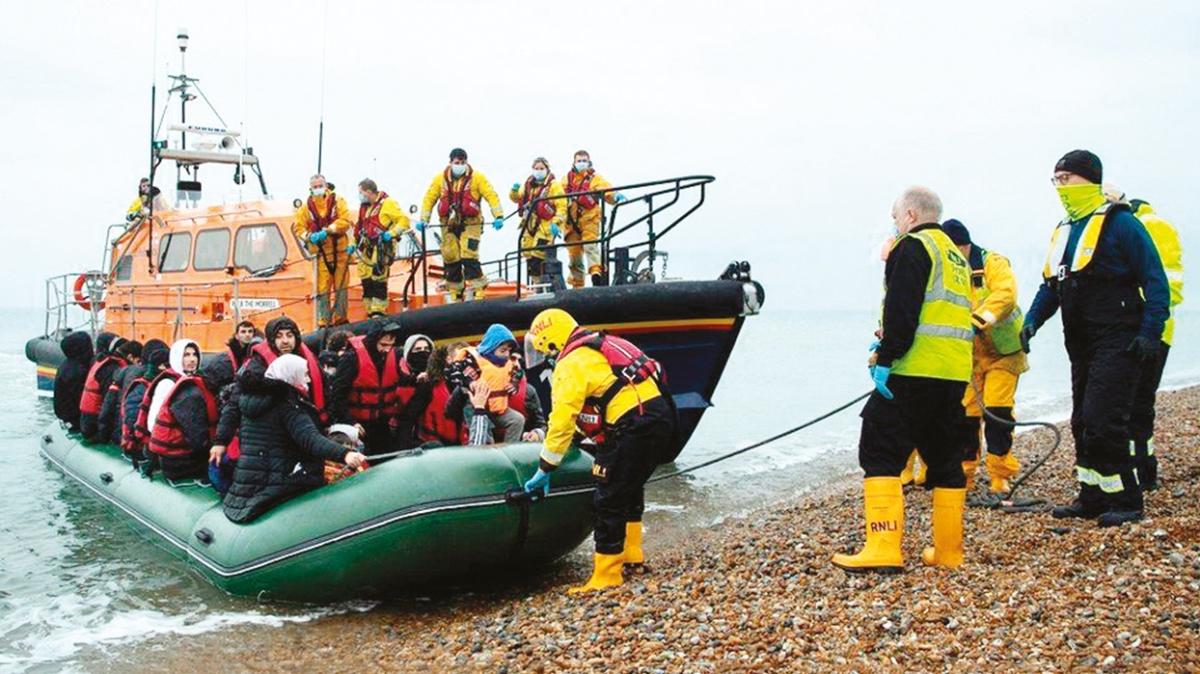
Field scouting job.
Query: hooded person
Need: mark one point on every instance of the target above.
(69, 380)
(497, 365)
(107, 361)
(415, 390)
(183, 360)
(155, 355)
(108, 427)
(186, 423)
(365, 388)
(282, 449)
(282, 337)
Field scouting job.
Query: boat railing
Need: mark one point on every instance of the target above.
(62, 294)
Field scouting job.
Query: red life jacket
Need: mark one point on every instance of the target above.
(404, 393)
(141, 429)
(630, 365)
(93, 397)
(373, 394)
(434, 426)
(167, 438)
(533, 191)
(368, 219)
(461, 201)
(316, 379)
(128, 442)
(582, 182)
(317, 222)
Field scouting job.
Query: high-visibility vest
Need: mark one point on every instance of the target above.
(1006, 332)
(1085, 249)
(1170, 250)
(167, 438)
(93, 397)
(942, 345)
(373, 393)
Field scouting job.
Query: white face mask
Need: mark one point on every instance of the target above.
(539, 175)
(318, 191)
(364, 198)
(582, 165)
(457, 170)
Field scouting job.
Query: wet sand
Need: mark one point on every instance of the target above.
(758, 594)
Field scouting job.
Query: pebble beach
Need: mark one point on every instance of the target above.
(758, 594)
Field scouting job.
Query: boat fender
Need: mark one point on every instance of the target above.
(204, 536)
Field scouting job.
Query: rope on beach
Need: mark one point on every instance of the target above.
(1009, 504)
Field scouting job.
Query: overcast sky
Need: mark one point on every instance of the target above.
(812, 118)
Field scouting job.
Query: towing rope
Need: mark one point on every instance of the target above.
(1010, 504)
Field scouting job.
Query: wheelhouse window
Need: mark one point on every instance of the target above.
(174, 251)
(259, 247)
(212, 250)
(125, 268)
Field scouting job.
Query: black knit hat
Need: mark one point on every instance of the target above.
(1083, 164)
(458, 153)
(957, 232)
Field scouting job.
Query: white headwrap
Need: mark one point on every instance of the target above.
(290, 369)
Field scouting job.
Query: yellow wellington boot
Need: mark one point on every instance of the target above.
(883, 501)
(1000, 470)
(969, 470)
(918, 469)
(947, 547)
(607, 573)
(906, 475)
(635, 556)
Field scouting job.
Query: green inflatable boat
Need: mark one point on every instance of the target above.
(432, 515)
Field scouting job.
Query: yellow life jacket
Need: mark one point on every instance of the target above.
(941, 347)
(1005, 333)
(1085, 249)
(1170, 250)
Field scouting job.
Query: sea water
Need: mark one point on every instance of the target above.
(76, 579)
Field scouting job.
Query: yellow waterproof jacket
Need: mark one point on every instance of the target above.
(339, 225)
(995, 305)
(583, 374)
(135, 207)
(1166, 240)
(542, 226)
(481, 191)
(391, 217)
(574, 182)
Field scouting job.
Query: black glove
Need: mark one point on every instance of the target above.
(1144, 349)
(1027, 334)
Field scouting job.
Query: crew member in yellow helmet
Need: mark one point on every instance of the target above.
(998, 361)
(1141, 418)
(608, 391)
(920, 368)
(1103, 272)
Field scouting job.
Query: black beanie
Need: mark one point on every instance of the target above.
(1083, 164)
(957, 232)
(458, 153)
(155, 353)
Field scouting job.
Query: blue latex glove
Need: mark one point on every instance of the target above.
(879, 374)
(350, 250)
(620, 198)
(874, 346)
(420, 225)
(540, 480)
(555, 231)
(317, 237)
(386, 237)
(497, 224)
(516, 187)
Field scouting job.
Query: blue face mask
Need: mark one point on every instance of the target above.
(364, 198)
(582, 165)
(539, 175)
(457, 170)
(318, 191)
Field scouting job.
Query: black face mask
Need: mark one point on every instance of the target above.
(418, 360)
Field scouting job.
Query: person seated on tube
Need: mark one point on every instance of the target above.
(494, 361)
(346, 436)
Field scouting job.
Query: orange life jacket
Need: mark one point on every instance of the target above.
(516, 401)
(368, 219)
(582, 182)
(141, 427)
(317, 222)
(316, 378)
(93, 397)
(167, 438)
(461, 200)
(498, 377)
(373, 394)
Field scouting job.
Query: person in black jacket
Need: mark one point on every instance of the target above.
(190, 411)
(105, 364)
(68, 381)
(282, 449)
(106, 423)
(377, 433)
(244, 338)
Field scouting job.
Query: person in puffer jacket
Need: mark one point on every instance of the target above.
(68, 381)
(155, 355)
(188, 410)
(282, 449)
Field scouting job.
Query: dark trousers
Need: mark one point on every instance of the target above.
(1141, 419)
(632, 450)
(378, 438)
(373, 289)
(926, 415)
(999, 436)
(1104, 377)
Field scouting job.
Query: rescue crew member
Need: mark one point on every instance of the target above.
(186, 423)
(635, 433)
(364, 391)
(108, 423)
(541, 221)
(998, 361)
(239, 345)
(920, 368)
(322, 222)
(139, 208)
(458, 191)
(1141, 418)
(98, 379)
(583, 219)
(1101, 265)
(70, 377)
(380, 223)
